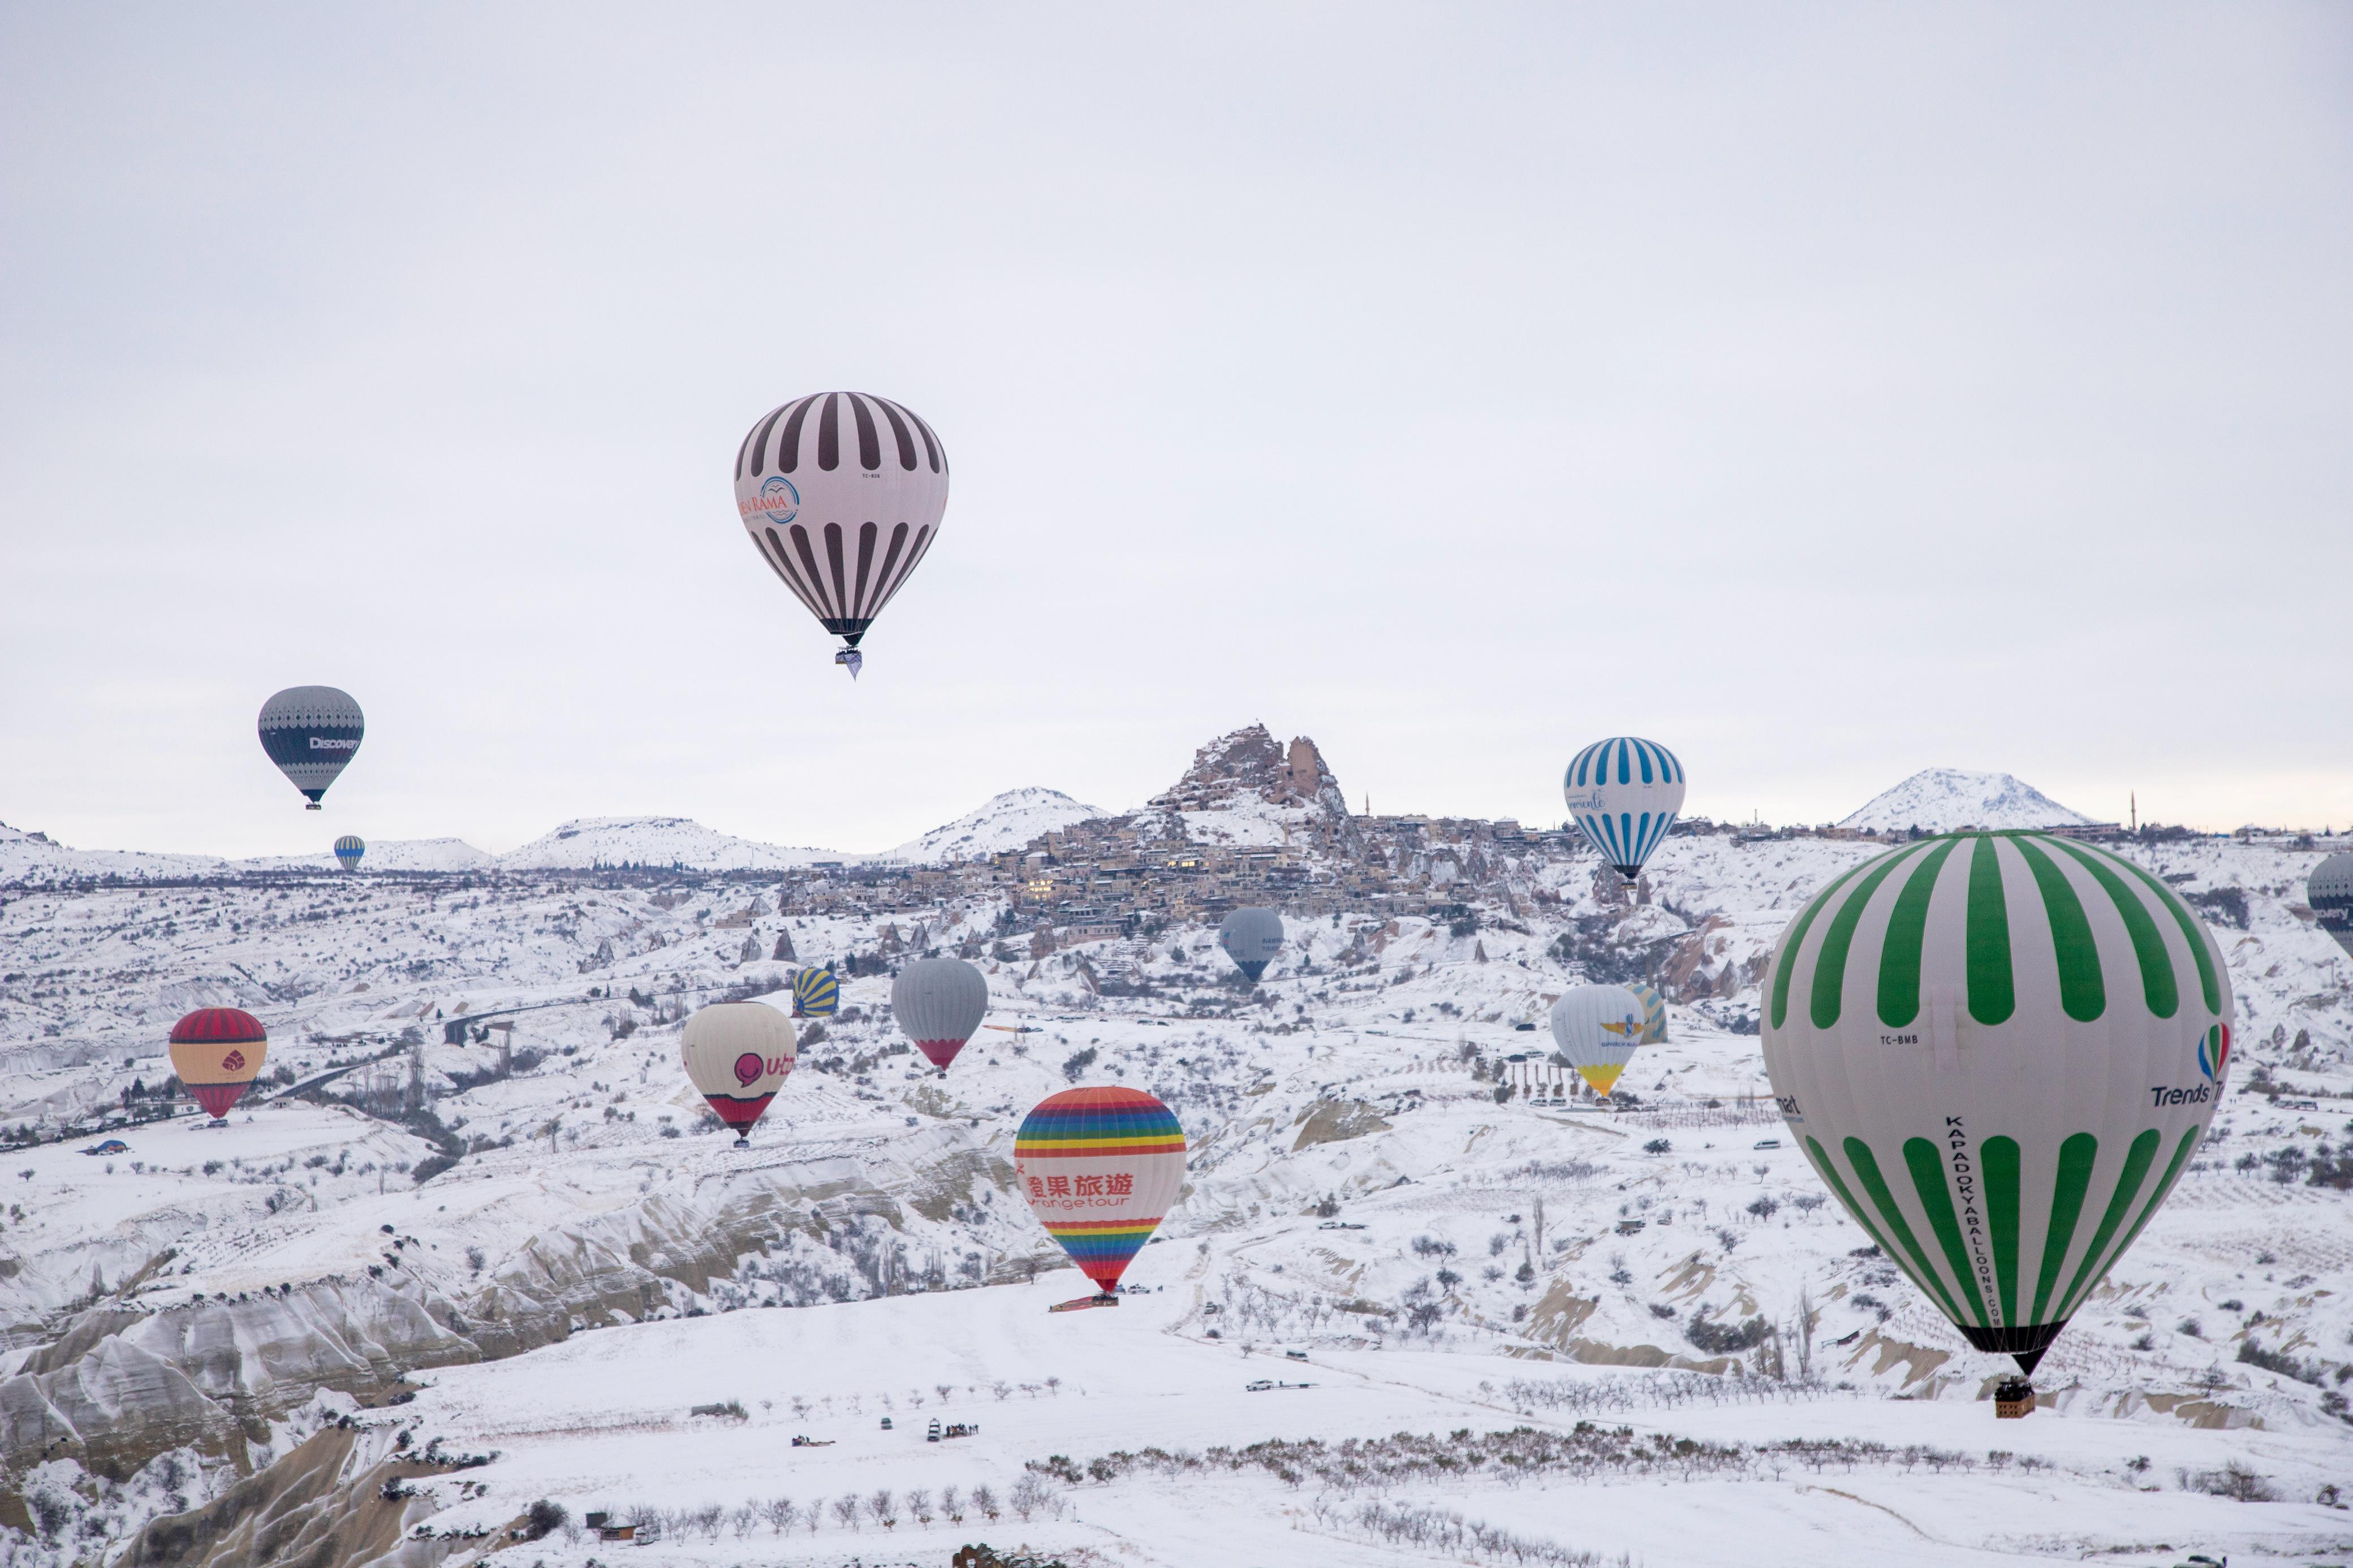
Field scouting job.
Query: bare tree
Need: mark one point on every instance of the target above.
(884, 1507)
(780, 1513)
(845, 1510)
(743, 1518)
(919, 1504)
(952, 1504)
(985, 1500)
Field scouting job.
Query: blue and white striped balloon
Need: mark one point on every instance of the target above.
(1623, 793)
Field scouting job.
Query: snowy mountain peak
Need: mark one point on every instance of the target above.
(1007, 822)
(1943, 800)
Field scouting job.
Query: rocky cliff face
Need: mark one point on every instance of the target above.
(119, 1386)
(1250, 763)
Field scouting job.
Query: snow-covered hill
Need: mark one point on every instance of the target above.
(537, 1232)
(1945, 800)
(653, 841)
(1005, 822)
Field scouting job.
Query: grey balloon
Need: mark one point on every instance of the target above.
(1251, 938)
(312, 732)
(2329, 891)
(939, 1002)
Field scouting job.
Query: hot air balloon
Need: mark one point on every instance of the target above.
(939, 1002)
(1597, 1028)
(217, 1052)
(737, 1055)
(312, 732)
(348, 850)
(841, 493)
(1251, 938)
(815, 992)
(1623, 795)
(2329, 891)
(1101, 1167)
(1998, 1050)
(1654, 1011)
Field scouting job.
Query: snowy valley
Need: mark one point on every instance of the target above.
(474, 1248)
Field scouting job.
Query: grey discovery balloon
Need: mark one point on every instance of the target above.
(939, 1002)
(311, 732)
(2330, 894)
(1251, 938)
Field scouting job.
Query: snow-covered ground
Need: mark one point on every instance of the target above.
(597, 1261)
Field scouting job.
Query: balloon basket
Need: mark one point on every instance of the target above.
(742, 1142)
(2013, 1399)
(314, 805)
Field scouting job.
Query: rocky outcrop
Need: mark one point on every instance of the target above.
(119, 1386)
(1337, 1121)
(324, 1505)
(1250, 762)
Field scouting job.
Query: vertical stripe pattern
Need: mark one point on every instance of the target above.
(1998, 1050)
(1624, 793)
(842, 493)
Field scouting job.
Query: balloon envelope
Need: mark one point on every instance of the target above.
(1654, 1011)
(217, 1053)
(1101, 1167)
(2329, 891)
(737, 1055)
(1597, 1028)
(1998, 1050)
(1623, 793)
(1251, 938)
(939, 1002)
(348, 850)
(816, 994)
(312, 732)
(841, 493)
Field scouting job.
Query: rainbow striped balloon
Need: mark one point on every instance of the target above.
(1101, 1167)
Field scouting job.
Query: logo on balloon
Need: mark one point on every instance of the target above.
(776, 503)
(748, 1068)
(233, 1061)
(2215, 1051)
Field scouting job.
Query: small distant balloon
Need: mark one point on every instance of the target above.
(2329, 892)
(312, 732)
(217, 1053)
(817, 993)
(1251, 938)
(842, 494)
(348, 850)
(1597, 1028)
(939, 1002)
(1623, 795)
(737, 1055)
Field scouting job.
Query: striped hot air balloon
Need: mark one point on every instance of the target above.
(842, 494)
(312, 732)
(1597, 1028)
(1654, 1011)
(817, 993)
(217, 1053)
(1623, 795)
(348, 850)
(1101, 1167)
(737, 1055)
(2000, 1051)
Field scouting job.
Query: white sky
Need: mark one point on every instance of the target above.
(1825, 393)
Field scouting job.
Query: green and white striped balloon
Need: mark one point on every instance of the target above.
(1998, 1050)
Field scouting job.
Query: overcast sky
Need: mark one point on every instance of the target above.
(1825, 393)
